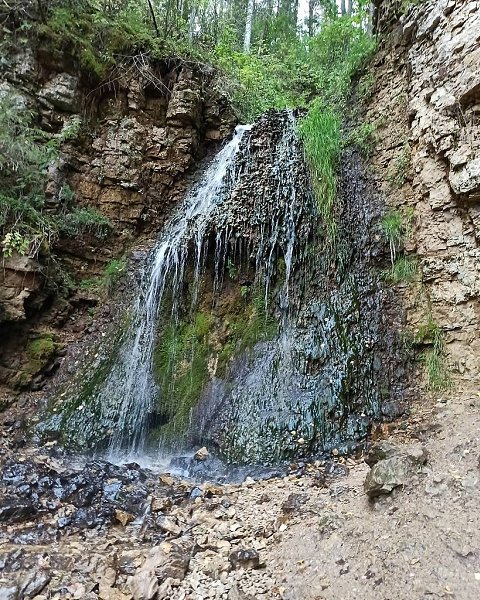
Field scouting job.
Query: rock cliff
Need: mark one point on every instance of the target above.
(132, 142)
(425, 109)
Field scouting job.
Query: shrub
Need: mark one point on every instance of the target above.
(84, 220)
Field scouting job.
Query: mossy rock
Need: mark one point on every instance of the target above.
(40, 351)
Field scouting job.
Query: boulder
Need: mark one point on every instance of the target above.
(244, 559)
(392, 466)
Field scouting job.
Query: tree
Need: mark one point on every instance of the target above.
(248, 27)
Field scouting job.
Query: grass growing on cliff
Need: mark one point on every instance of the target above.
(403, 269)
(339, 52)
(430, 334)
(320, 131)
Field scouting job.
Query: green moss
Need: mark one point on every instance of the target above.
(181, 370)
(190, 352)
(40, 351)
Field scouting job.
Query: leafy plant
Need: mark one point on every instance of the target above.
(84, 220)
(25, 154)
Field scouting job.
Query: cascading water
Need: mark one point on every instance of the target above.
(243, 336)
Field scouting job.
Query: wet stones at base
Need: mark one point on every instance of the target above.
(107, 532)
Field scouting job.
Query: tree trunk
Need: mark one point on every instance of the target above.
(152, 12)
(311, 16)
(343, 9)
(248, 27)
(191, 22)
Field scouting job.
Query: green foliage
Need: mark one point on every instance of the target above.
(320, 131)
(84, 220)
(253, 82)
(336, 53)
(231, 269)
(366, 86)
(391, 226)
(114, 270)
(25, 154)
(394, 226)
(404, 269)
(363, 137)
(95, 35)
(250, 326)
(24, 157)
(429, 333)
(189, 351)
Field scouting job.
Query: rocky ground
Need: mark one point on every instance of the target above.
(120, 533)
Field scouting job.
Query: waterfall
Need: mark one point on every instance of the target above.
(269, 337)
(130, 385)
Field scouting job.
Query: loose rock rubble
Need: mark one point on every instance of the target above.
(100, 531)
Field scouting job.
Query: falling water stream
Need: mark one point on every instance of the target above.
(130, 387)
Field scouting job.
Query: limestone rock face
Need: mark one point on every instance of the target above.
(427, 74)
(61, 92)
(20, 278)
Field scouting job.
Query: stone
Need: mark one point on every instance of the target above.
(168, 561)
(383, 449)
(8, 591)
(143, 585)
(123, 517)
(34, 585)
(386, 475)
(244, 559)
(465, 181)
(168, 524)
(294, 503)
(236, 593)
(212, 564)
(61, 92)
(201, 454)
